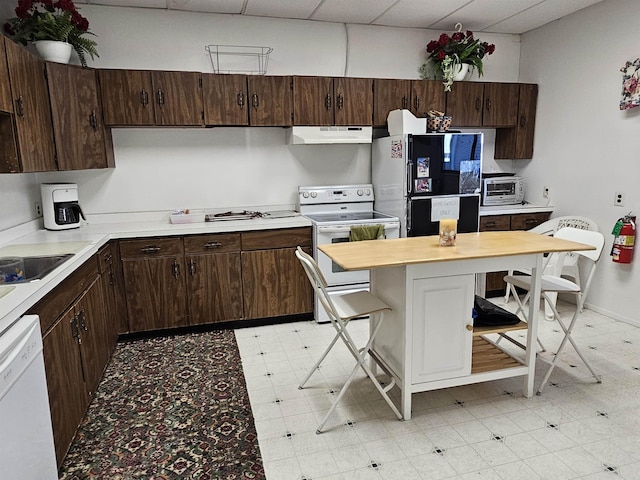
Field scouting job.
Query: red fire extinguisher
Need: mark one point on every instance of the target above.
(624, 240)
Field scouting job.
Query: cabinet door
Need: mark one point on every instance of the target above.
(6, 105)
(500, 104)
(270, 102)
(178, 98)
(156, 294)
(127, 97)
(517, 143)
(225, 99)
(353, 101)
(94, 335)
(68, 398)
(465, 104)
(389, 94)
(441, 342)
(274, 284)
(77, 117)
(32, 110)
(313, 101)
(427, 95)
(108, 278)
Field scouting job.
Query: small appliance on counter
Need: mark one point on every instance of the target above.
(60, 206)
(503, 189)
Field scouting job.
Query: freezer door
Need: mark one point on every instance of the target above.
(419, 216)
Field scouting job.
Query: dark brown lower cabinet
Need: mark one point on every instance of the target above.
(495, 286)
(273, 280)
(76, 351)
(154, 281)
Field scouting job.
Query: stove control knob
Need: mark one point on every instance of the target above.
(360, 192)
(305, 194)
(314, 194)
(368, 192)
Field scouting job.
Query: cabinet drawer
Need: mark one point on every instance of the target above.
(526, 221)
(268, 239)
(157, 247)
(60, 298)
(224, 242)
(495, 223)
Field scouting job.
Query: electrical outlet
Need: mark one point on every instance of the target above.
(618, 199)
(545, 192)
(38, 209)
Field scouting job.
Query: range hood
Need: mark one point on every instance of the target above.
(328, 135)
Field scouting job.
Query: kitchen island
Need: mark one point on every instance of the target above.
(428, 340)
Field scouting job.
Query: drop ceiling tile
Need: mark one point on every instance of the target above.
(207, 6)
(349, 11)
(414, 13)
(479, 14)
(131, 3)
(281, 8)
(539, 15)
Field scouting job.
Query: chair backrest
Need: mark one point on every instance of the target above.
(318, 282)
(595, 239)
(554, 224)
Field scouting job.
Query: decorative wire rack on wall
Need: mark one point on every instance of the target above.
(239, 59)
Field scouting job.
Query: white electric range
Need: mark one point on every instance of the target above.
(333, 210)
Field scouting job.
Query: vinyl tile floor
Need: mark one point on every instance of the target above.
(577, 428)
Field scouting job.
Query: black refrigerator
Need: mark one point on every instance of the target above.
(415, 177)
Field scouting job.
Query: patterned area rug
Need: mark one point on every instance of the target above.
(168, 408)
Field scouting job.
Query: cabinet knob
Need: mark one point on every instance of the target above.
(175, 269)
(416, 103)
(150, 249)
(241, 100)
(327, 102)
(478, 104)
(19, 106)
(144, 97)
(469, 327)
(255, 101)
(405, 103)
(340, 101)
(192, 267)
(488, 104)
(212, 245)
(523, 121)
(160, 97)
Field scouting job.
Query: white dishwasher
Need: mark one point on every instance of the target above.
(26, 436)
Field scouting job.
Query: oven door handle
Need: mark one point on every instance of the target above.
(347, 228)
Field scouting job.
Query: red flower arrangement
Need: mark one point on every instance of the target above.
(450, 51)
(51, 20)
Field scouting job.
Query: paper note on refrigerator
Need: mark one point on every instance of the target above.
(445, 207)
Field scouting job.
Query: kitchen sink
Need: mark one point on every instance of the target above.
(36, 268)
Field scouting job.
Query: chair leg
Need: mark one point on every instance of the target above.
(323, 356)
(361, 362)
(567, 337)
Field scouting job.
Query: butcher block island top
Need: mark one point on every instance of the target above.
(408, 251)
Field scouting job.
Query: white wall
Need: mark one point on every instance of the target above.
(164, 169)
(586, 149)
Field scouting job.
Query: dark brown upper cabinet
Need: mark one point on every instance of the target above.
(332, 101)
(6, 105)
(517, 143)
(389, 94)
(427, 95)
(32, 114)
(270, 101)
(81, 139)
(476, 104)
(225, 99)
(146, 98)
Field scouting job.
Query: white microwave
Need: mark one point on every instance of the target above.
(502, 191)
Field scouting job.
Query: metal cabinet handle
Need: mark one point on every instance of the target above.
(144, 97)
(416, 103)
(192, 267)
(112, 278)
(81, 318)
(150, 249)
(488, 104)
(405, 103)
(340, 101)
(212, 245)
(523, 121)
(255, 101)
(175, 269)
(108, 258)
(19, 106)
(160, 97)
(490, 224)
(469, 327)
(478, 104)
(75, 333)
(93, 120)
(241, 100)
(327, 101)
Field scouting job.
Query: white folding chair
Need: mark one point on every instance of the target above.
(554, 284)
(570, 263)
(341, 309)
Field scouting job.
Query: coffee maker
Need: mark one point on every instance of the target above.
(60, 206)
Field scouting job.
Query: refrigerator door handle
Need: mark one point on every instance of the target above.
(408, 219)
(409, 177)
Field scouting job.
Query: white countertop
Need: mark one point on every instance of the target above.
(84, 242)
(514, 209)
